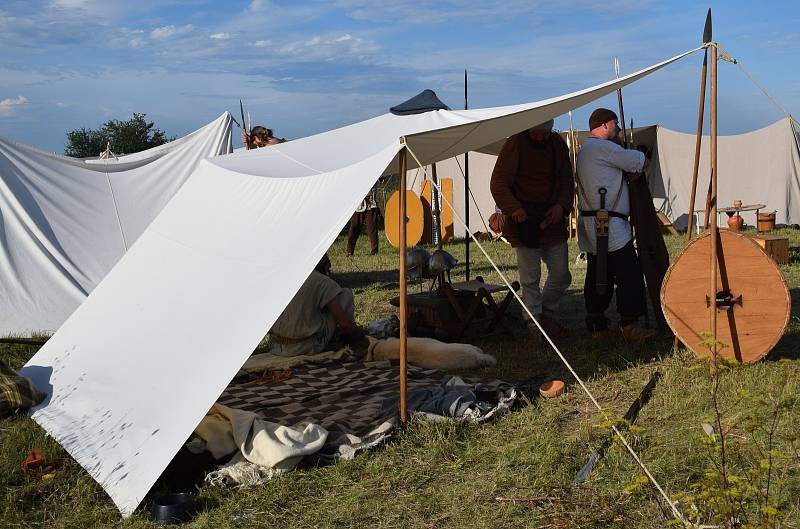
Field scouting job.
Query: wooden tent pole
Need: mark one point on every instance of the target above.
(699, 141)
(403, 287)
(697, 145)
(713, 202)
(437, 212)
(573, 148)
(466, 193)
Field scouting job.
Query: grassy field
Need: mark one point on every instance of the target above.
(445, 475)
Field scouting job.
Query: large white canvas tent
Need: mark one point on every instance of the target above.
(757, 167)
(66, 222)
(132, 372)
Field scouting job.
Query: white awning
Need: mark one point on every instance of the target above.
(138, 365)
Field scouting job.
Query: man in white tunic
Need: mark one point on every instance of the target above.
(601, 163)
(319, 311)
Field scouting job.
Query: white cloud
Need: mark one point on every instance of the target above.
(168, 32)
(262, 43)
(9, 106)
(328, 47)
(71, 4)
(220, 36)
(259, 5)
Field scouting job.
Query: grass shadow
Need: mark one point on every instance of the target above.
(788, 347)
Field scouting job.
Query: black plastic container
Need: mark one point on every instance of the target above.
(173, 508)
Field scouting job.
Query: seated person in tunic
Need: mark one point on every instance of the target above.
(320, 312)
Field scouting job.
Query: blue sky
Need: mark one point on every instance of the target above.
(306, 67)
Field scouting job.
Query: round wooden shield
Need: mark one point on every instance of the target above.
(752, 298)
(416, 219)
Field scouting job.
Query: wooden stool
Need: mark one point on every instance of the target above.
(776, 247)
(460, 309)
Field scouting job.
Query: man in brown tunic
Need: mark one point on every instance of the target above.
(533, 187)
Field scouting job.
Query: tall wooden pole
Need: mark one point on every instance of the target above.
(573, 147)
(697, 146)
(621, 108)
(466, 191)
(713, 208)
(436, 212)
(707, 35)
(403, 287)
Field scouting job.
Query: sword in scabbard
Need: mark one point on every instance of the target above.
(601, 231)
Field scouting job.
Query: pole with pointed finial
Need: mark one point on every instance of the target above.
(707, 32)
(700, 116)
(713, 200)
(401, 223)
(466, 189)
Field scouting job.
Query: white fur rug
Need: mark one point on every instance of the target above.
(430, 353)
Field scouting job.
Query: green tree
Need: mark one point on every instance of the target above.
(126, 137)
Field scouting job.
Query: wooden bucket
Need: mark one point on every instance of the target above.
(766, 221)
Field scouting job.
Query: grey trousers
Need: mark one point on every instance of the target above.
(529, 262)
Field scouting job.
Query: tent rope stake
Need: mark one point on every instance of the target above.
(676, 513)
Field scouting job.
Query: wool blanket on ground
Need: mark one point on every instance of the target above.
(357, 403)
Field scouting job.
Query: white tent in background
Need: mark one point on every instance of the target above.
(758, 167)
(132, 372)
(65, 223)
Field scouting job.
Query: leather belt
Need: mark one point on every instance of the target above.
(593, 213)
(286, 340)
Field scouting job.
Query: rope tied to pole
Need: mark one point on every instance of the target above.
(675, 512)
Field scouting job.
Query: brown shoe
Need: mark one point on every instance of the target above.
(601, 336)
(553, 328)
(535, 340)
(632, 333)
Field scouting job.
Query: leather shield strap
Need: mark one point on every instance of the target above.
(601, 231)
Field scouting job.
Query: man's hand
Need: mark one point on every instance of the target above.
(519, 216)
(347, 327)
(246, 140)
(553, 215)
(352, 332)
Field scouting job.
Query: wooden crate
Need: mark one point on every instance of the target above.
(776, 247)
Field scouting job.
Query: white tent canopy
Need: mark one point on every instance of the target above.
(65, 222)
(132, 372)
(758, 167)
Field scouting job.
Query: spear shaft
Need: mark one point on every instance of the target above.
(621, 108)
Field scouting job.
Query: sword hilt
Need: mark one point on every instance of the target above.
(601, 217)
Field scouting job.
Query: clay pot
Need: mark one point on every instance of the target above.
(735, 223)
(551, 389)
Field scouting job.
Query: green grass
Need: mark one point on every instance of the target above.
(444, 475)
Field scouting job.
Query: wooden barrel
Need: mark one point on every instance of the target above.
(415, 215)
(755, 301)
(766, 221)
